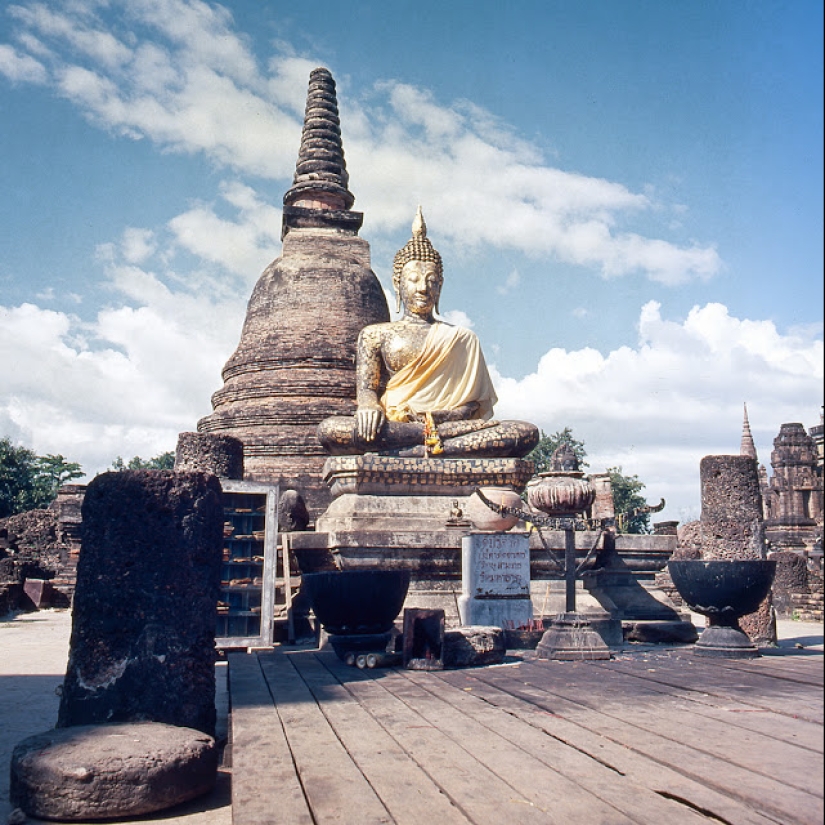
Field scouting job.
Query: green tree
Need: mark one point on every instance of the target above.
(52, 471)
(543, 451)
(626, 498)
(164, 461)
(29, 481)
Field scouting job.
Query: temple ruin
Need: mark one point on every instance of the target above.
(792, 496)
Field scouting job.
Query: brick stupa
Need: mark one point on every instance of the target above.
(295, 363)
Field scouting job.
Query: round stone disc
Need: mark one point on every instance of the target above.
(101, 771)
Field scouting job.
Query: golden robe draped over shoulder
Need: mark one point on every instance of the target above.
(449, 371)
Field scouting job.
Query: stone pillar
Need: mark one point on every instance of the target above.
(143, 625)
(731, 525)
(220, 455)
(731, 521)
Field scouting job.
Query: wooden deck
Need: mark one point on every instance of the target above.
(652, 736)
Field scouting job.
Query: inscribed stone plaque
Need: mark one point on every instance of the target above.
(495, 565)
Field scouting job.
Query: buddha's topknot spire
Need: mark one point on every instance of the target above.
(418, 248)
(321, 180)
(419, 228)
(747, 447)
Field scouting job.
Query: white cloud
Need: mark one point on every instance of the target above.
(510, 283)
(21, 67)
(142, 371)
(128, 383)
(95, 43)
(457, 318)
(194, 85)
(243, 246)
(656, 409)
(137, 245)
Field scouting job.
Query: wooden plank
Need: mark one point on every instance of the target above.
(725, 711)
(670, 717)
(265, 786)
(745, 748)
(757, 690)
(602, 781)
(402, 785)
(334, 786)
(537, 782)
(804, 668)
(539, 741)
(483, 797)
(577, 700)
(661, 779)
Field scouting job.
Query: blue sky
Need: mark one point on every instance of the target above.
(628, 197)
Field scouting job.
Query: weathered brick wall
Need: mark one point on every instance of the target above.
(32, 547)
(797, 588)
(810, 606)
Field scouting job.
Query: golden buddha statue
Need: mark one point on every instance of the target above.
(423, 388)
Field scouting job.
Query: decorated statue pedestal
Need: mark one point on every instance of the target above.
(394, 513)
(380, 492)
(724, 590)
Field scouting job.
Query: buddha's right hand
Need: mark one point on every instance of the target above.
(369, 421)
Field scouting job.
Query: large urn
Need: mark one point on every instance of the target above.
(488, 520)
(723, 590)
(562, 493)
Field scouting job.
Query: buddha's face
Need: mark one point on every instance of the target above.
(419, 287)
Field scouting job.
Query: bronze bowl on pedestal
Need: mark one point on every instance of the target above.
(560, 493)
(357, 601)
(724, 590)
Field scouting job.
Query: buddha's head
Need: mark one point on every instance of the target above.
(417, 272)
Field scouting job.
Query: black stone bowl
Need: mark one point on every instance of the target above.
(357, 601)
(723, 589)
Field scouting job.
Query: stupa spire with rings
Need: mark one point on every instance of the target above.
(747, 446)
(320, 195)
(295, 363)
